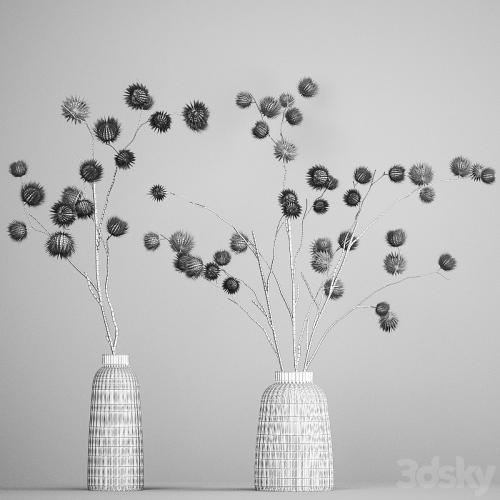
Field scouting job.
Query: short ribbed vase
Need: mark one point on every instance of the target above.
(115, 459)
(294, 443)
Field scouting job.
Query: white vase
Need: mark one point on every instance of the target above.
(115, 452)
(294, 444)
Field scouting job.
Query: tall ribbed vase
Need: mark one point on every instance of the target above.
(115, 458)
(294, 443)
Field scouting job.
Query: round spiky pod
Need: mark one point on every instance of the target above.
(222, 257)
(285, 151)
(193, 266)
(180, 261)
(287, 196)
(212, 271)
(320, 205)
(307, 87)
(71, 195)
(286, 99)
(421, 174)
(447, 262)
(388, 322)
(32, 194)
(394, 263)
(158, 192)
(17, 230)
(75, 109)
(382, 308)
(362, 175)
(331, 183)
(137, 97)
(84, 209)
(124, 159)
(427, 194)
(352, 197)
(238, 242)
(460, 166)
(321, 245)
(488, 176)
(196, 116)
(107, 130)
(260, 129)
(396, 237)
(291, 210)
(151, 241)
(346, 239)
(91, 171)
(18, 168)
(231, 285)
(244, 100)
(337, 290)
(318, 177)
(160, 121)
(181, 242)
(476, 171)
(320, 261)
(60, 245)
(397, 173)
(270, 107)
(116, 226)
(294, 116)
(62, 215)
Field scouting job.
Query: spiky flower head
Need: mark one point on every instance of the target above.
(231, 285)
(307, 87)
(460, 166)
(238, 242)
(137, 97)
(396, 237)
(75, 109)
(124, 159)
(222, 257)
(192, 266)
(336, 291)
(285, 151)
(421, 174)
(388, 322)
(382, 308)
(397, 173)
(318, 177)
(158, 192)
(260, 130)
(294, 116)
(291, 210)
(71, 195)
(62, 215)
(32, 194)
(211, 271)
(362, 175)
(270, 107)
(18, 168)
(181, 242)
(84, 208)
(60, 244)
(287, 196)
(107, 130)
(320, 205)
(488, 176)
(347, 241)
(321, 245)
(447, 262)
(352, 197)
(151, 241)
(160, 121)
(286, 99)
(331, 183)
(244, 100)
(116, 226)
(91, 171)
(17, 230)
(320, 261)
(476, 171)
(427, 194)
(394, 263)
(196, 116)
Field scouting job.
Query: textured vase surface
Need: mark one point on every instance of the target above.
(115, 454)
(294, 443)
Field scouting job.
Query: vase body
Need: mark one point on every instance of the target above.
(115, 447)
(294, 444)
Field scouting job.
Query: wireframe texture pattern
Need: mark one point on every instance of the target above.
(294, 444)
(115, 454)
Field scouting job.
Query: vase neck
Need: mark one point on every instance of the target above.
(115, 359)
(294, 377)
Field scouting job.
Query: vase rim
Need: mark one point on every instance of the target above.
(115, 359)
(298, 377)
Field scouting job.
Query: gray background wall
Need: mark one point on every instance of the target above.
(400, 82)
